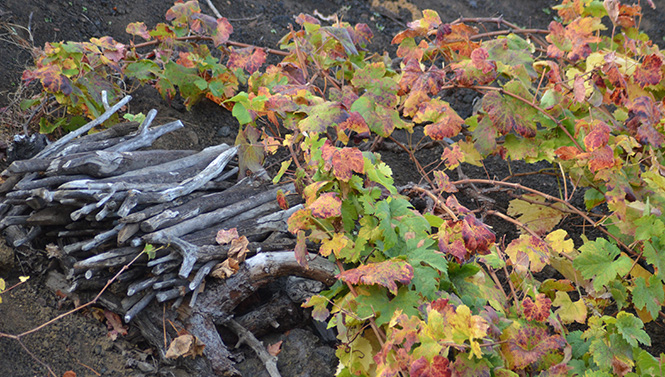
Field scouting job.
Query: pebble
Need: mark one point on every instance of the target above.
(225, 131)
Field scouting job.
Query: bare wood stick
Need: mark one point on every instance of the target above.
(49, 182)
(248, 338)
(197, 206)
(147, 138)
(139, 306)
(208, 219)
(56, 146)
(105, 164)
(107, 259)
(211, 171)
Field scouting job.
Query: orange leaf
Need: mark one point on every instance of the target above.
(327, 205)
(452, 156)
(248, 58)
(275, 349)
(69, 373)
(437, 368)
(281, 200)
(598, 137)
(382, 273)
(225, 236)
(222, 31)
(538, 310)
(185, 345)
(649, 73)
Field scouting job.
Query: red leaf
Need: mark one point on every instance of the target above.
(343, 162)
(477, 236)
(248, 58)
(225, 236)
(222, 31)
(446, 122)
(52, 79)
(479, 58)
(567, 153)
(302, 18)
(300, 250)
(442, 181)
(531, 344)
(574, 38)
(649, 73)
(602, 158)
(538, 310)
(138, 28)
(437, 368)
(598, 137)
(452, 156)
(115, 325)
(327, 205)
(362, 35)
(281, 200)
(382, 273)
(355, 122)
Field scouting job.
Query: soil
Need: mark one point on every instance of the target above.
(79, 342)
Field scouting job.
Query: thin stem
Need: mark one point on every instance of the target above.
(204, 38)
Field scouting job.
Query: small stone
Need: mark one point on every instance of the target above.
(224, 131)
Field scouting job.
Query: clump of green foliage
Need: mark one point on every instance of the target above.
(435, 293)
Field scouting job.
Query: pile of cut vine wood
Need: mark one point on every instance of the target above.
(94, 201)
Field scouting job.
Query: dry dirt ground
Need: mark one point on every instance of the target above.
(79, 342)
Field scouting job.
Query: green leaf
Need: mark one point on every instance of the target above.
(579, 345)
(142, 70)
(650, 296)
(598, 261)
(631, 329)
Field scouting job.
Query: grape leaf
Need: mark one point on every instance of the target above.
(538, 310)
(222, 32)
(442, 182)
(535, 214)
(574, 39)
(437, 368)
(533, 248)
(649, 296)
(477, 236)
(529, 345)
(649, 72)
(249, 58)
(598, 261)
(558, 243)
(631, 329)
(355, 123)
(570, 311)
(381, 273)
(510, 114)
(225, 236)
(343, 161)
(319, 304)
(445, 121)
(326, 205)
(452, 156)
(456, 39)
(334, 245)
(138, 28)
(322, 116)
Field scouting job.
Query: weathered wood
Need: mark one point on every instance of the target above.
(194, 207)
(51, 216)
(246, 337)
(101, 164)
(208, 219)
(49, 182)
(117, 257)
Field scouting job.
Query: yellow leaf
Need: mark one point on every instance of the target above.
(540, 218)
(558, 243)
(569, 311)
(334, 245)
(23, 279)
(2, 285)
